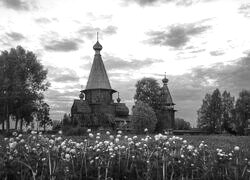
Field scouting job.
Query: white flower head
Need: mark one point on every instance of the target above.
(236, 148)
(91, 135)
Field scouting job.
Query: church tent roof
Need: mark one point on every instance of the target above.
(98, 78)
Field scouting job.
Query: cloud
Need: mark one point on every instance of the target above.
(217, 53)
(109, 30)
(177, 35)
(60, 102)
(90, 32)
(112, 62)
(245, 9)
(42, 20)
(64, 45)
(176, 2)
(63, 75)
(197, 51)
(189, 89)
(16, 4)
(15, 36)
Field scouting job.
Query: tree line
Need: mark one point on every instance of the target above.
(221, 113)
(23, 82)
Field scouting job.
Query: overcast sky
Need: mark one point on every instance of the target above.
(200, 44)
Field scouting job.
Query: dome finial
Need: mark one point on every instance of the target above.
(97, 47)
(165, 80)
(118, 99)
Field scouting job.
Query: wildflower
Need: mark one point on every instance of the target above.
(91, 135)
(146, 130)
(119, 132)
(67, 149)
(14, 133)
(134, 137)
(111, 137)
(6, 139)
(182, 156)
(73, 151)
(67, 156)
(60, 132)
(51, 141)
(157, 137)
(22, 141)
(190, 147)
(96, 158)
(108, 133)
(12, 145)
(129, 139)
(236, 148)
(118, 136)
(59, 139)
(116, 140)
(125, 137)
(33, 132)
(98, 134)
(89, 130)
(97, 137)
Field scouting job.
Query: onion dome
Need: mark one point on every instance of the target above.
(81, 95)
(97, 46)
(165, 80)
(118, 99)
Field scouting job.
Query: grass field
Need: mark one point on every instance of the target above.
(120, 156)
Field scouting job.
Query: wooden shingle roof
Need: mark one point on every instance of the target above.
(98, 78)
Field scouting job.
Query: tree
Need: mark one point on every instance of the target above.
(143, 117)
(181, 124)
(66, 120)
(216, 111)
(148, 91)
(23, 81)
(242, 110)
(227, 112)
(204, 118)
(43, 115)
(210, 113)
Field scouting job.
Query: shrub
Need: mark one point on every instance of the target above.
(143, 117)
(74, 131)
(56, 125)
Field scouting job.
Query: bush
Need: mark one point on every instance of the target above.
(56, 125)
(143, 117)
(74, 131)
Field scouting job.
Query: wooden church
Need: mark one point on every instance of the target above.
(96, 108)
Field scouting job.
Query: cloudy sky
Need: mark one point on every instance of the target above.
(200, 44)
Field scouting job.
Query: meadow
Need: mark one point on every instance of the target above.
(105, 156)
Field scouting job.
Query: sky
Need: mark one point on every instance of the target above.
(201, 45)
